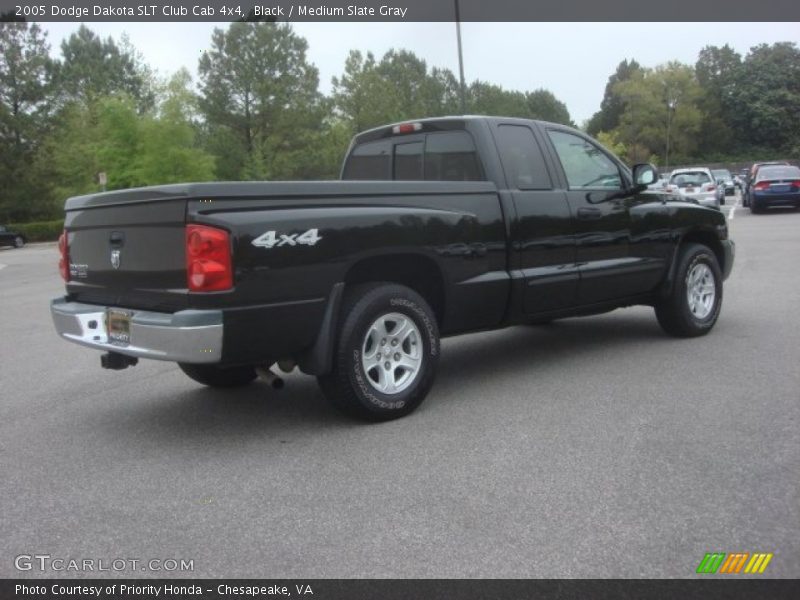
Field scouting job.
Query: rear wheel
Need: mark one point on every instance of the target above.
(692, 307)
(214, 376)
(386, 353)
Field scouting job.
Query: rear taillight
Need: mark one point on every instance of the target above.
(761, 185)
(208, 259)
(711, 188)
(63, 251)
(796, 183)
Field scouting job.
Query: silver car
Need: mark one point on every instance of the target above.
(696, 183)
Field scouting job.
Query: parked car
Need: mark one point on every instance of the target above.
(724, 179)
(459, 224)
(660, 184)
(695, 183)
(9, 237)
(775, 185)
(751, 176)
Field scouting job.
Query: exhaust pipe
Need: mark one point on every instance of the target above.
(116, 361)
(266, 374)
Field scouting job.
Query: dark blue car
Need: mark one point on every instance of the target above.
(777, 185)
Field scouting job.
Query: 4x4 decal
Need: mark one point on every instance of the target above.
(271, 239)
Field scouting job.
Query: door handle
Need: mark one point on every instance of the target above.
(587, 214)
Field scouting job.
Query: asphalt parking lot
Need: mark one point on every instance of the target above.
(596, 447)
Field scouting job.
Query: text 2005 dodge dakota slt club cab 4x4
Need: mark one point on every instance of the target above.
(439, 227)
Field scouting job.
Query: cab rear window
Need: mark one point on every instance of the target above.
(439, 156)
(369, 161)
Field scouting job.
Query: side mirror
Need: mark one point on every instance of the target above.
(644, 174)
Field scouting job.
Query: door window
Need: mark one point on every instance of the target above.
(584, 164)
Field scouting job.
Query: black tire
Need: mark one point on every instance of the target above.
(755, 208)
(214, 376)
(19, 241)
(673, 312)
(350, 387)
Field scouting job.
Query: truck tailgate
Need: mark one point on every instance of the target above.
(128, 252)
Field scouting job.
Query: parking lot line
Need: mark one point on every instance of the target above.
(733, 209)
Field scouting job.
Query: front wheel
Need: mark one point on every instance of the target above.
(692, 307)
(386, 353)
(214, 376)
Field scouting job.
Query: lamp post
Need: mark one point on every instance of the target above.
(460, 60)
(671, 97)
(672, 103)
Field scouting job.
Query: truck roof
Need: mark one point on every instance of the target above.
(442, 123)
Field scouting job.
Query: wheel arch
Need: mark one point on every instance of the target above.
(416, 271)
(705, 237)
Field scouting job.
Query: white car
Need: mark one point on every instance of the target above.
(696, 183)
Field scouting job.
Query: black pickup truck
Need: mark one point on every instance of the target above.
(439, 227)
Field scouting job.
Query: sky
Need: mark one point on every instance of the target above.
(572, 60)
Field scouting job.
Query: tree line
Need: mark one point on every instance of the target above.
(256, 111)
(724, 108)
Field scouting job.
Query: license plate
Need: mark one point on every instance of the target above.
(118, 325)
(779, 188)
(689, 190)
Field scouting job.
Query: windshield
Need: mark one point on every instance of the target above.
(690, 178)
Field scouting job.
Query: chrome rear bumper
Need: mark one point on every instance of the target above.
(190, 336)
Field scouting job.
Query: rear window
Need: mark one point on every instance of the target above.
(445, 156)
(369, 161)
(690, 178)
(408, 161)
(774, 173)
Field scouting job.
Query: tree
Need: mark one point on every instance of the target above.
(657, 101)
(764, 100)
(542, 104)
(132, 149)
(716, 68)
(489, 99)
(93, 68)
(399, 87)
(612, 106)
(25, 84)
(362, 97)
(260, 101)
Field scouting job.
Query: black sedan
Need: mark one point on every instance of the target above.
(775, 186)
(11, 238)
